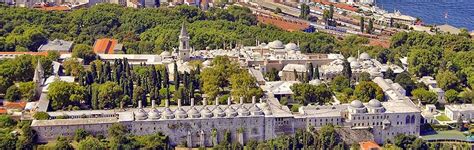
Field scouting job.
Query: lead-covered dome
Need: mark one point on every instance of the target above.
(154, 114)
(193, 113)
(140, 114)
(206, 113)
(351, 59)
(364, 56)
(357, 104)
(277, 44)
(375, 103)
(291, 46)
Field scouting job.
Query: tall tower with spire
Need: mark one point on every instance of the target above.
(184, 48)
(39, 74)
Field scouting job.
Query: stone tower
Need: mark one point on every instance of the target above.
(184, 48)
(39, 74)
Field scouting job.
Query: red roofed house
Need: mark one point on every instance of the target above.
(107, 46)
(369, 145)
(14, 105)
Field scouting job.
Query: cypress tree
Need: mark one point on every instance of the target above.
(295, 74)
(346, 71)
(166, 80)
(158, 78)
(310, 71)
(362, 24)
(176, 76)
(316, 72)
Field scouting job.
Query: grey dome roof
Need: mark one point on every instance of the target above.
(230, 112)
(291, 46)
(364, 56)
(277, 44)
(375, 103)
(206, 113)
(243, 111)
(180, 113)
(165, 53)
(167, 114)
(357, 104)
(193, 113)
(154, 114)
(255, 110)
(219, 112)
(355, 64)
(351, 59)
(140, 114)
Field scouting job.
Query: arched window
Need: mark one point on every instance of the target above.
(407, 120)
(413, 119)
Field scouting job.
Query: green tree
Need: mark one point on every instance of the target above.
(367, 90)
(109, 95)
(62, 143)
(362, 24)
(5, 83)
(405, 81)
(6, 121)
(91, 143)
(41, 116)
(306, 93)
(370, 27)
(13, 93)
(305, 10)
(272, 75)
(62, 94)
(447, 80)
(339, 83)
(422, 62)
(85, 52)
(72, 67)
(426, 97)
(80, 134)
(328, 137)
(364, 76)
(451, 96)
(244, 85)
(27, 90)
(389, 74)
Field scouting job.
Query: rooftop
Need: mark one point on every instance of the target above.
(56, 45)
(75, 121)
(105, 46)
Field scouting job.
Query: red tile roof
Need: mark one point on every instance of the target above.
(3, 111)
(105, 46)
(288, 25)
(54, 8)
(369, 145)
(24, 53)
(14, 105)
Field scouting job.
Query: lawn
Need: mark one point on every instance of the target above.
(443, 117)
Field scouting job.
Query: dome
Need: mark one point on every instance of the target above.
(219, 112)
(267, 111)
(206, 113)
(193, 113)
(364, 56)
(167, 114)
(374, 70)
(255, 110)
(140, 114)
(165, 53)
(351, 59)
(230, 112)
(277, 44)
(356, 104)
(180, 113)
(355, 64)
(154, 114)
(243, 111)
(291, 46)
(375, 103)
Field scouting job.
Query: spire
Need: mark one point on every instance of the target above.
(38, 75)
(184, 31)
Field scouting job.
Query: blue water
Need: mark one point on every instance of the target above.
(460, 12)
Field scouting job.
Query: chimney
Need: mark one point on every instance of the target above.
(152, 103)
(254, 100)
(179, 103)
(204, 101)
(167, 103)
(229, 101)
(241, 100)
(261, 100)
(140, 104)
(192, 102)
(217, 101)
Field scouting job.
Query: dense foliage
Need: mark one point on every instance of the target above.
(144, 30)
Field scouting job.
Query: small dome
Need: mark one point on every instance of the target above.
(206, 113)
(355, 64)
(193, 113)
(267, 111)
(351, 59)
(255, 110)
(165, 53)
(291, 46)
(230, 112)
(154, 114)
(243, 111)
(374, 69)
(180, 113)
(140, 114)
(277, 44)
(218, 112)
(364, 56)
(167, 114)
(375, 103)
(357, 104)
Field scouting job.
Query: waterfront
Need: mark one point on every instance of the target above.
(460, 12)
